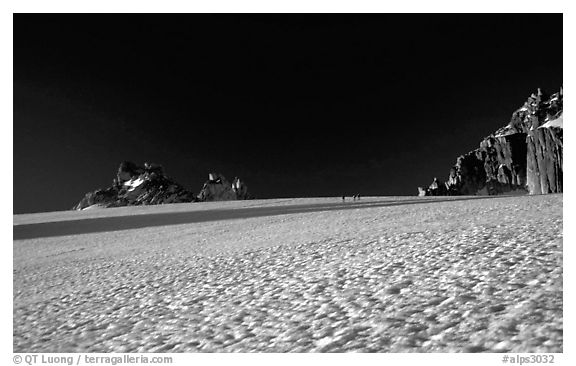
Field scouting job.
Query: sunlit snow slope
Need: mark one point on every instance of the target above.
(380, 274)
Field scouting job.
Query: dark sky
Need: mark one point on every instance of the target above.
(296, 105)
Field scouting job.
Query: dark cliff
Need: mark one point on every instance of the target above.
(524, 156)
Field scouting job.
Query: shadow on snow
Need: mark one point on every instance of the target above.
(105, 224)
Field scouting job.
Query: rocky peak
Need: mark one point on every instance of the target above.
(136, 185)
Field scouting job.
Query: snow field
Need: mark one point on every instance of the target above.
(462, 276)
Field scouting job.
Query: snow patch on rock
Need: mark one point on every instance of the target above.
(558, 123)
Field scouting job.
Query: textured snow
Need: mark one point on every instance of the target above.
(384, 275)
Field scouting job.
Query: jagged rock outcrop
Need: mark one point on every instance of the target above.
(241, 189)
(524, 156)
(135, 185)
(217, 188)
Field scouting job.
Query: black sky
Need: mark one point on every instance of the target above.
(296, 105)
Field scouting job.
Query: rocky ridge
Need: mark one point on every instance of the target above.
(148, 185)
(525, 156)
